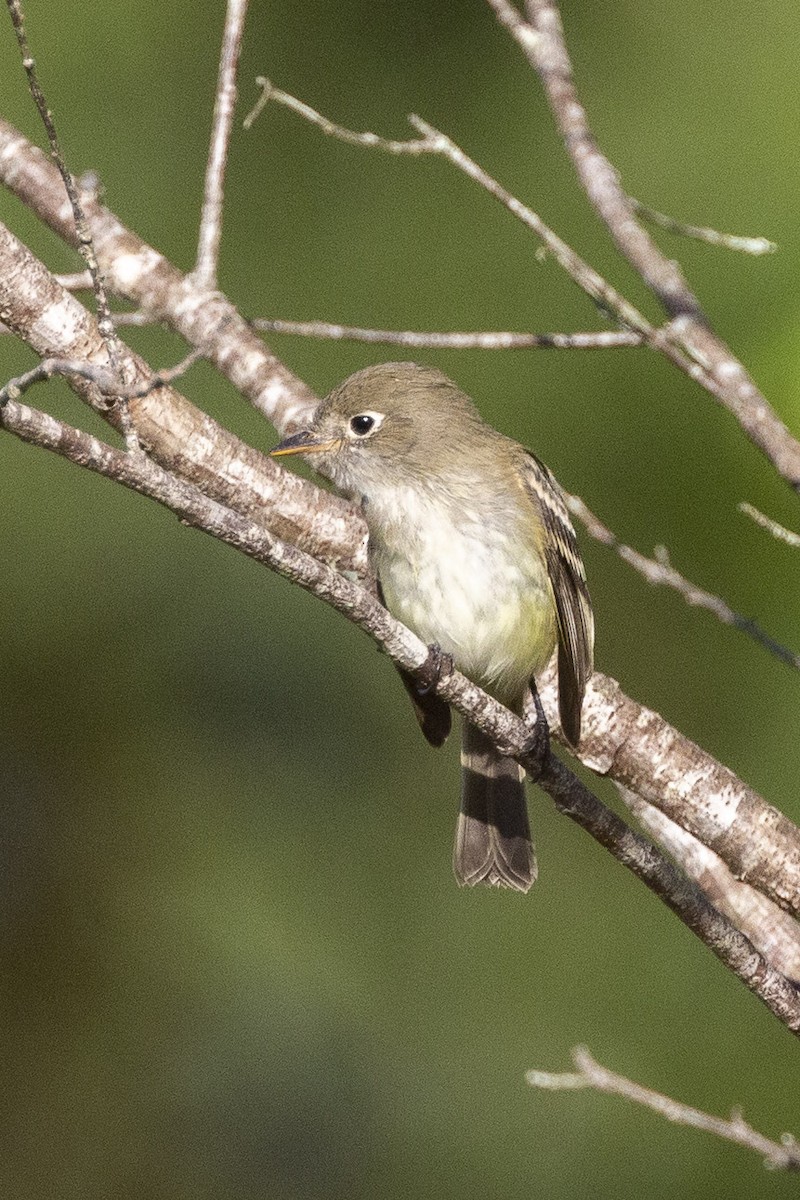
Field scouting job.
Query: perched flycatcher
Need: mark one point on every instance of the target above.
(474, 551)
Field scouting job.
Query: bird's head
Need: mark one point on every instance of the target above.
(389, 424)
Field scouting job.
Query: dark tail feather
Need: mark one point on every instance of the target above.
(493, 838)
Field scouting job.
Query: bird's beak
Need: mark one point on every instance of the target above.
(304, 442)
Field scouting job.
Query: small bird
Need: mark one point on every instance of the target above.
(474, 551)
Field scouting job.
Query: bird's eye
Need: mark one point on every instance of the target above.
(362, 424)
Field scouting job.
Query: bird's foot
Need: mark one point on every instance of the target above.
(536, 745)
(436, 666)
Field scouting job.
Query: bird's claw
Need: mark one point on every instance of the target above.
(536, 746)
(436, 666)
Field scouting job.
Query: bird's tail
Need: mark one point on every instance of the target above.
(493, 838)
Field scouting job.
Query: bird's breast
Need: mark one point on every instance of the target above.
(471, 579)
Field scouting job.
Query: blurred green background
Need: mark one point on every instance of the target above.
(235, 961)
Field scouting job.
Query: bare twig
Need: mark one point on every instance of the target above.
(479, 340)
(370, 141)
(433, 141)
(103, 379)
(541, 37)
(760, 422)
(571, 796)
(784, 1154)
(601, 339)
(84, 236)
(659, 572)
(778, 531)
(713, 237)
(773, 932)
(211, 216)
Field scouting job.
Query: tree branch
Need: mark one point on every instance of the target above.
(101, 377)
(636, 747)
(689, 346)
(433, 141)
(700, 233)
(176, 434)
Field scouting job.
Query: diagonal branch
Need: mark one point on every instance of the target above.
(180, 437)
(541, 37)
(637, 748)
(571, 796)
(779, 532)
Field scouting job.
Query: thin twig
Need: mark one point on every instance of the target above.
(713, 237)
(370, 141)
(433, 141)
(660, 572)
(570, 795)
(100, 376)
(784, 1155)
(479, 340)
(210, 233)
(780, 532)
(105, 320)
(603, 293)
(601, 339)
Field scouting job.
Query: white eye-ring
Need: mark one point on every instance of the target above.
(365, 423)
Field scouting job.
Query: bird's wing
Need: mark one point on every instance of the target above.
(571, 594)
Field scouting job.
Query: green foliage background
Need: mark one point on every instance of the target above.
(235, 961)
